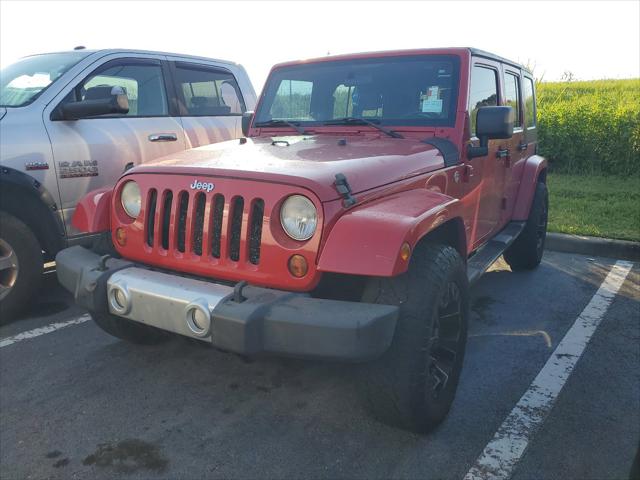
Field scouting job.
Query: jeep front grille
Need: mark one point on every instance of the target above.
(186, 217)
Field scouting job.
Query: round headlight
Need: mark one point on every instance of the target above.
(299, 217)
(131, 199)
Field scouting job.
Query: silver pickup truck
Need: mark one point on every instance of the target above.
(72, 122)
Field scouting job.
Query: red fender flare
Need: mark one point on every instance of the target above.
(534, 166)
(367, 239)
(92, 214)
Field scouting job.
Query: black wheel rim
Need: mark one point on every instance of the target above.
(541, 228)
(445, 340)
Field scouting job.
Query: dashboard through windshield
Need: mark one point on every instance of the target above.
(409, 90)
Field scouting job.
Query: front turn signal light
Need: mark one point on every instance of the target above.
(121, 236)
(405, 252)
(298, 266)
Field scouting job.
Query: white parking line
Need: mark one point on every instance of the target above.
(36, 332)
(503, 452)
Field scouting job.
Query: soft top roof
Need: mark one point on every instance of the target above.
(420, 51)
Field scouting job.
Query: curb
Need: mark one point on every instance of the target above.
(597, 247)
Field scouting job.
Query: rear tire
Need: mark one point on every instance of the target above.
(21, 266)
(129, 330)
(412, 386)
(526, 251)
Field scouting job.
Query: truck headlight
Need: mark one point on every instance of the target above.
(299, 217)
(131, 199)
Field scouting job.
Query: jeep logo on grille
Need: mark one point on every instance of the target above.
(206, 186)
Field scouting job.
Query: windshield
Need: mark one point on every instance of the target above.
(23, 81)
(413, 91)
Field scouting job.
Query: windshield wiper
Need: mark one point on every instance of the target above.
(362, 121)
(276, 122)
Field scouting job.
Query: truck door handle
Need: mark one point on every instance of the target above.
(523, 146)
(502, 153)
(163, 137)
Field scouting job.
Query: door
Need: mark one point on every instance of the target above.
(210, 103)
(486, 182)
(92, 152)
(517, 145)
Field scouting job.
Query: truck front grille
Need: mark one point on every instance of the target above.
(204, 225)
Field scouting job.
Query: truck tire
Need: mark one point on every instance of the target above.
(526, 251)
(413, 384)
(21, 266)
(128, 330)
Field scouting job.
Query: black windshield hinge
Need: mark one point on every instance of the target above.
(344, 189)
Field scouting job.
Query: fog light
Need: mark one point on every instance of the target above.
(405, 252)
(298, 266)
(119, 300)
(121, 236)
(198, 318)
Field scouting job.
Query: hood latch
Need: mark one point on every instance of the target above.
(344, 189)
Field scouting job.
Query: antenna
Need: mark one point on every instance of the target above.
(79, 47)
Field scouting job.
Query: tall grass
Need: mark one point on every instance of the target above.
(590, 127)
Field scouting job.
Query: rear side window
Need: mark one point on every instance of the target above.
(483, 91)
(209, 92)
(529, 104)
(512, 96)
(143, 84)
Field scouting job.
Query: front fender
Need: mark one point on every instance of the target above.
(367, 240)
(533, 168)
(92, 213)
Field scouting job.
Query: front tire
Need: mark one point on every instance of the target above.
(526, 251)
(412, 386)
(129, 330)
(21, 266)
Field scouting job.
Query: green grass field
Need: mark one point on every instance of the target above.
(590, 128)
(594, 205)
(590, 133)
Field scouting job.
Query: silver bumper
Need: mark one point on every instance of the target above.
(250, 321)
(172, 303)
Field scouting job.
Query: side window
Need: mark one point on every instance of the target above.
(529, 104)
(143, 84)
(512, 96)
(292, 100)
(483, 91)
(209, 92)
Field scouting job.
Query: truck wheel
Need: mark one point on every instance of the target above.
(526, 251)
(413, 384)
(129, 330)
(20, 266)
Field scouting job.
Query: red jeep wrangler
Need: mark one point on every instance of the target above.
(370, 191)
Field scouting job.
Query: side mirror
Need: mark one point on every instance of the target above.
(116, 101)
(491, 123)
(247, 118)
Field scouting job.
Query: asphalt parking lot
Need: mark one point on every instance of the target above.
(77, 403)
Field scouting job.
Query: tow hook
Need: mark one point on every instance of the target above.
(237, 291)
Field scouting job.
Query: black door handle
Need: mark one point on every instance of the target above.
(523, 146)
(502, 153)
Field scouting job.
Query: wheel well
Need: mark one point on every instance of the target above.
(29, 209)
(542, 176)
(449, 233)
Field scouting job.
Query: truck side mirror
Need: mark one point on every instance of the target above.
(96, 103)
(247, 118)
(491, 123)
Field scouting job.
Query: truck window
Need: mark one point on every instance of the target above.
(209, 92)
(529, 104)
(483, 91)
(512, 96)
(143, 84)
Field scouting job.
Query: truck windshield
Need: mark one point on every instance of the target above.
(405, 90)
(22, 82)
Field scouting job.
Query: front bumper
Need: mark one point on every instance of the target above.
(248, 321)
